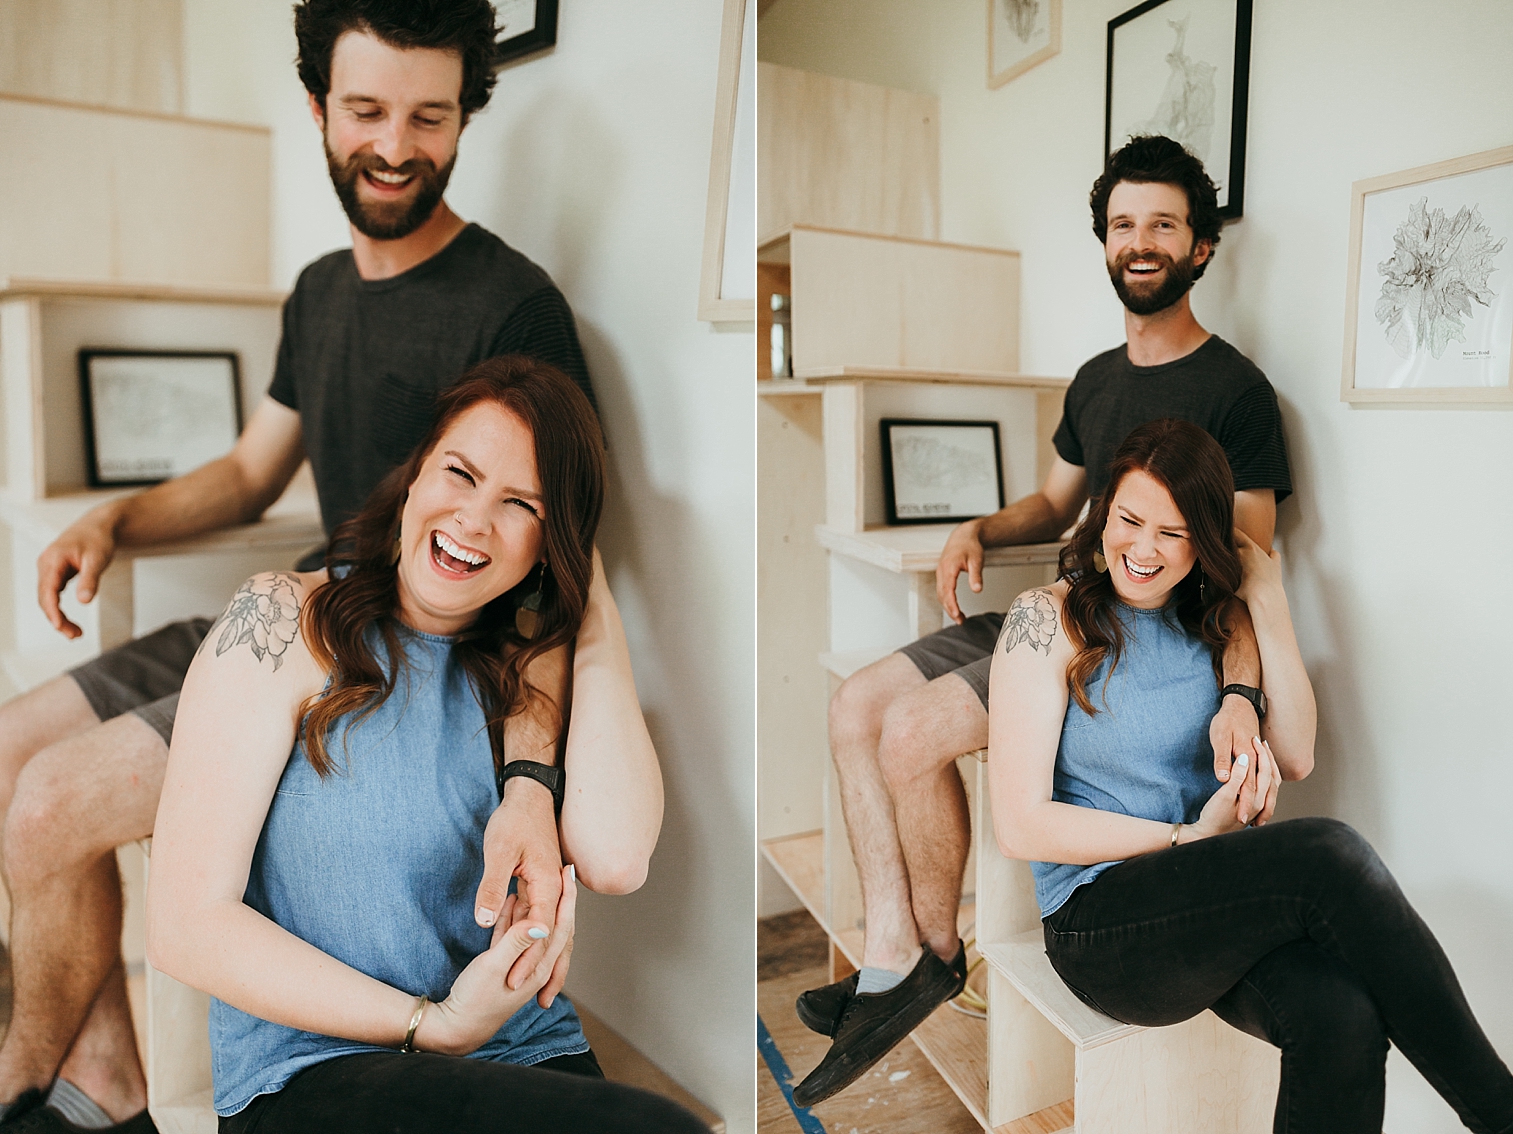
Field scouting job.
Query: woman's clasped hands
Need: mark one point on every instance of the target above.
(1226, 811)
(481, 999)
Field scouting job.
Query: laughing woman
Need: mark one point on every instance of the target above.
(335, 763)
(1158, 898)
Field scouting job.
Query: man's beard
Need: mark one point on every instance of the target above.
(1148, 298)
(388, 220)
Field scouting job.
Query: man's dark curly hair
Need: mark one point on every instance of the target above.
(1154, 159)
(464, 26)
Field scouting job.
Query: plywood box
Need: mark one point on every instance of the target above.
(843, 154)
(95, 194)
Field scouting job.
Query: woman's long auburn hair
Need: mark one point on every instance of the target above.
(338, 617)
(1192, 466)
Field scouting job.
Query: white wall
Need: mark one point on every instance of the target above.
(1398, 540)
(594, 161)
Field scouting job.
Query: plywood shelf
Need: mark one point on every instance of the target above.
(16, 287)
(917, 548)
(1023, 961)
(953, 377)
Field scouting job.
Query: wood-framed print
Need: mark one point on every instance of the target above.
(727, 272)
(525, 27)
(1429, 289)
(1021, 34)
(152, 415)
(939, 471)
(1182, 68)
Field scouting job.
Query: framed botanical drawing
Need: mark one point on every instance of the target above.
(939, 471)
(151, 415)
(1182, 68)
(1021, 33)
(1429, 290)
(727, 275)
(526, 27)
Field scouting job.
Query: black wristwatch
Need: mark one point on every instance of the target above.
(1250, 693)
(553, 779)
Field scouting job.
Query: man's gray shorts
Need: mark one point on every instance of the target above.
(965, 650)
(143, 676)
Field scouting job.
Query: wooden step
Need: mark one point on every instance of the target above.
(1023, 961)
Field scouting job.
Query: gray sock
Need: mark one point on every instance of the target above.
(877, 980)
(74, 1105)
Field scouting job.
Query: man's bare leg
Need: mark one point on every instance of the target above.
(924, 731)
(75, 802)
(51, 712)
(856, 723)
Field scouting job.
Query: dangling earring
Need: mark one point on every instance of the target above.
(1100, 564)
(526, 614)
(394, 555)
(1202, 587)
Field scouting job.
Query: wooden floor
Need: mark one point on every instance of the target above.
(901, 1095)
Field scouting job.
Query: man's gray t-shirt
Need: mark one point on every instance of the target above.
(1215, 387)
(362, 361)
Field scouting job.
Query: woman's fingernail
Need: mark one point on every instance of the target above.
(572, 872)
(535, 931)
(1258, 742)
(485, 917)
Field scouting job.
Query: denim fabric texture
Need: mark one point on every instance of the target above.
(1145, 752)
(378, 865)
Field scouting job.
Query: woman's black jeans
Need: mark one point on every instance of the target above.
(444, 1094)
(1296, 933)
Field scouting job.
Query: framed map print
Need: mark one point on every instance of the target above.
(937, 472)
(1429, 290)
(1182, 68)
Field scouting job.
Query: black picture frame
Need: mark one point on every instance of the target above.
(89, 399)
(539, 38)
(946, 515)
(1232, 187)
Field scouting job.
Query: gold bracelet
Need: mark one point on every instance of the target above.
(1176, 830)
(420, 1010)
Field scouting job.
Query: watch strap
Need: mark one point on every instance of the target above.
(1256, 698)
(550, 777)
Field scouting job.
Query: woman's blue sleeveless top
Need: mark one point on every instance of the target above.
(1146, 751)
(378, 865)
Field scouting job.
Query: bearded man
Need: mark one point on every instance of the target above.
(897, 726)
(370, 335)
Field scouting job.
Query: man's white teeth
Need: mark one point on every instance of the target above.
(388, 178)
(1142, 572)
(457, 552)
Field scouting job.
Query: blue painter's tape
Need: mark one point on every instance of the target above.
(779, 1068)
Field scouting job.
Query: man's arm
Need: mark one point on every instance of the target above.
(234, 489)
(1235, 726)
(1038, 518)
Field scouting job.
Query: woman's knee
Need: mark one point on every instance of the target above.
(1336, 846)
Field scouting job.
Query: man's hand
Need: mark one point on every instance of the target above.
(520, 842)
(84, 549)
(963, 552)
(1232, 733)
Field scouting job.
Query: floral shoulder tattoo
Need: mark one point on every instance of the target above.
(263, 614)
(1032, 621)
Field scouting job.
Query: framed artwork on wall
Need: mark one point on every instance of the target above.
(1021, 34)
(152, 415)
(526, 27)
(1429, 289)
(937, 472)
(1182, 68)
(727, 274)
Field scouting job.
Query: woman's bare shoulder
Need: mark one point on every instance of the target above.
(261, 623)
(1034, 620)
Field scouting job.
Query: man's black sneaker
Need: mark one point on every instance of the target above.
(820, 1008)
(872, 1023)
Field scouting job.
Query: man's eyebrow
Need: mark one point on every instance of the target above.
(374, 100)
